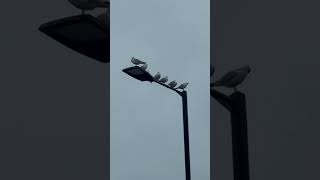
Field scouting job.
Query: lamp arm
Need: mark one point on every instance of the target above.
(224, 100)
(179, 92)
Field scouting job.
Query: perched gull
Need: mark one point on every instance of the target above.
(157, 76)
(182, 86)
(137, 61)
(212, 70)
(233, 78)
(164, 79)
(90, 4)
(172, 84)
(144, 67)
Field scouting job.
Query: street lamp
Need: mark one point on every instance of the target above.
(142, 75)
(236, 105)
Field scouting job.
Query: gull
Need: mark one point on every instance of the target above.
(233, 78)
(172, 84)
(182, 86)
(164, 79)
(144, 67)
(157, 76)
(137, 61)
(90, 4)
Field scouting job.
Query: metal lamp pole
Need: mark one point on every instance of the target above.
(143, 75)
(183, 95)
(236, 105)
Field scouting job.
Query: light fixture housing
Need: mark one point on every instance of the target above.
(82, 33)
(138, 73)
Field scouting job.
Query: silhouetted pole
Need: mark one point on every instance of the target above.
(236, 104)
(183, 94)
(186, 134)
(239, 136)
(142, 75)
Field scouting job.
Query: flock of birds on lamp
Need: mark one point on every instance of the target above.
(157, 76)
(230, 80)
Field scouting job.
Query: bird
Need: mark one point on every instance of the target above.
(144, 67)
(137, 61)
(157, 76)
(212, 70)
(89, 4)
(182, 86)
(233, 78)
(172, 84)
(164, 79)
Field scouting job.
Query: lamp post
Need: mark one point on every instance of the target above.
(236, 105)
(142, 75)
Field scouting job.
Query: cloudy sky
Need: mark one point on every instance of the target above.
(146, 119)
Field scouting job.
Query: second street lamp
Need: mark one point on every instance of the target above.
(142, 75)
(236, 105)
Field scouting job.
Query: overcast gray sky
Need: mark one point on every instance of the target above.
(146, 119)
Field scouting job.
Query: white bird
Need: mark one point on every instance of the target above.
(137, 61)
(144, 67)
(172, 84)
(182, 86)
(164, 79)
(90, 4)
(157, 76)
(233, 78)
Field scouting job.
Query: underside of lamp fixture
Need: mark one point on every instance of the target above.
(84, 34)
